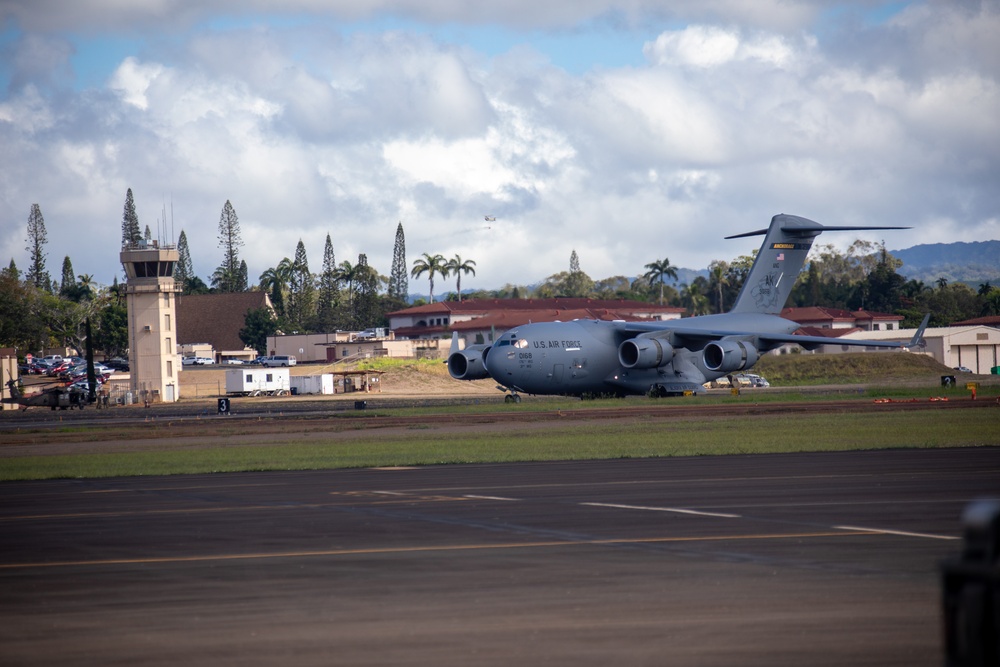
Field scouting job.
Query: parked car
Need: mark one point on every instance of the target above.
(234, 362)
(259, 361)
(963, 369)
(118, 365)
(279, 360)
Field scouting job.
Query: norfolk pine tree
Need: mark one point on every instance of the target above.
(68, 277)
(37, 238)
(227, 276)
(130, 222)
(329, 290)
(399, 287)
(184, 268)
(301, 289)
(364, 306)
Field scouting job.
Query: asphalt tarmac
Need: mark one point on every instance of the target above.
(800, 559)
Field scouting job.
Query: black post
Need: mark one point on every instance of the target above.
(972, 591)
(91, 375)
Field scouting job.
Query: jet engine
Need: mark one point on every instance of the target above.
(645, 353)
(729, 354)
(469, 364)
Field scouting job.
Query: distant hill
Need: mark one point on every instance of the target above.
(972, 263)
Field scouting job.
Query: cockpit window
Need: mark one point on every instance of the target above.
(504, 343)
(523, 344)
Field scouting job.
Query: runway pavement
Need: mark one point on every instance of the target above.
(800, 559)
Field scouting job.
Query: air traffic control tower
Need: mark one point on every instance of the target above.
(152, 322)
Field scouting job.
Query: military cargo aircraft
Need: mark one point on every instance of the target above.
(58, 397)
(669, 358)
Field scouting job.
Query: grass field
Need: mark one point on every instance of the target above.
(342, 440)
(563, 440)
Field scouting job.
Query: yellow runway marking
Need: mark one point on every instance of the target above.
(427, 549)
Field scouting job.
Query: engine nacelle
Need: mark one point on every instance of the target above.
(728, 355)
(468, 364)
(645, 353)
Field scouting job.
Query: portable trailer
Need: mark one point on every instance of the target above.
(313, 384)
(257, 381)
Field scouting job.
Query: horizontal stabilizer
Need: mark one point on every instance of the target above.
(781, 257)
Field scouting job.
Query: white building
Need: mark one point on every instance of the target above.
(975, 347)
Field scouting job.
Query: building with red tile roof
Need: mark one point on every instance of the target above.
(480, 320)
(820, 317)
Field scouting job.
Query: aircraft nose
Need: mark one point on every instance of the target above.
(495, 362)
(499, 362)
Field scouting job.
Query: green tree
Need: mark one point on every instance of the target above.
(184, 268)
(431, 265)
(242, 283)
(130, 222)
(457, 266)
(275, 281)
(346, 273)
(693, 296)
(364, 305)
(258, 324)
(328, 300)
(227, 277)
(301, 290)
(37, 238)
(399, 287)
(21, 323)
(658, 271)
(718, 278)
(195, 285)
(12, 270)
(68, 281)
(111, 334)
(882, 289)
(147, 235)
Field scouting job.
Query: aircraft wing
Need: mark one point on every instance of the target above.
(770, 340)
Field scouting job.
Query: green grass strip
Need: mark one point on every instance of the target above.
(565, 440)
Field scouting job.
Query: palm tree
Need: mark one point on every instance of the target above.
(275, 281)
(659, 270)
(347, 273)
(457, 266)
(86, 284)
(693, 299)
(717, 278)
(430, 264)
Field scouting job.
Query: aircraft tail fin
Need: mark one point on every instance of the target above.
(918, 335)
(781, 257)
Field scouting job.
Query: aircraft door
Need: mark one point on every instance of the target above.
(557, 373)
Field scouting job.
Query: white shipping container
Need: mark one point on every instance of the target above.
(313, 384)
(257, 380)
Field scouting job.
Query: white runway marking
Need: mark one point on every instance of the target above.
(664, 509)
(897, 532)
(510, 500)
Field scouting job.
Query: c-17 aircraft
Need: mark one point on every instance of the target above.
(669, 358)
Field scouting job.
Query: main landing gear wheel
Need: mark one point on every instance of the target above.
(512, 398)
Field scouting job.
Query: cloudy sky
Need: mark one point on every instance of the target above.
(628, 130)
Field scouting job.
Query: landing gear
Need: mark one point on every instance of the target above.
(512, 398)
